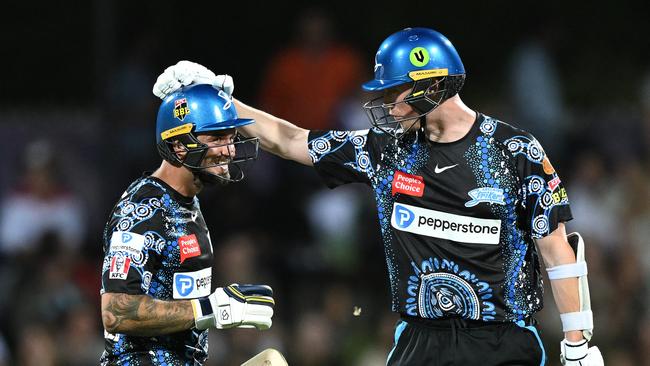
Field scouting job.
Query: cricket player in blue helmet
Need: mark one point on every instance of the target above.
(196, 128)
(156, 295)
(467, 206)
(420, 60)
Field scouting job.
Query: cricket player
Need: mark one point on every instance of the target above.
(157, 302)
(466, 205)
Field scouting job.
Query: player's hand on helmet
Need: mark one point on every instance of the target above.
(579, 354)
(243, 306)
(185, 73)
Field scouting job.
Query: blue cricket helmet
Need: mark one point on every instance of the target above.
(413, 54)
(198, 108)
(201, 109)
(420, 59)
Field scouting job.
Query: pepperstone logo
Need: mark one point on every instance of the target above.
(126, 243)
(190, 285)
(405, 216)
(436, 224)
(184, 284)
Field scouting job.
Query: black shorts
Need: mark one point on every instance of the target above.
(422, 342)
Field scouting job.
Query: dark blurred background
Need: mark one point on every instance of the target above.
(77, 120)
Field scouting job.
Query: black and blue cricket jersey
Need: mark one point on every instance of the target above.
(156, 243)
(457, 219)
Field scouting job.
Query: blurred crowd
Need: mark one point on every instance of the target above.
(319, 249)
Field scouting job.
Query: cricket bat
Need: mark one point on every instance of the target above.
(268, 357)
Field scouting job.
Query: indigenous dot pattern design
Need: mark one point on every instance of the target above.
(439, 288)
(536, 189)
(170, 218)
(405, 155)
(493, 168)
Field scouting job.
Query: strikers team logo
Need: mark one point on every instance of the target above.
(486, 195)
(181, 110)
(440, 288)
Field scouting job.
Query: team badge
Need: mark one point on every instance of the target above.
(181, 110)
(486, 195)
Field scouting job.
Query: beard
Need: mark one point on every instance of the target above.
(209, 177)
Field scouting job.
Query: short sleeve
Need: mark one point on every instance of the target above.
(342, 157)
(129, 261)
(543, 200)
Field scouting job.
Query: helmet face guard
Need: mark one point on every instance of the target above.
(200, 109)
(188, 151)
(427, 95)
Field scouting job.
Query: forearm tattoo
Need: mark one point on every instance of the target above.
(144, 316)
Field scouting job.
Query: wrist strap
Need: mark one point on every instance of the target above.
(578, 269)
(578, 320)
(202, 309)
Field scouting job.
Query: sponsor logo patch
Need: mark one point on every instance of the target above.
(404, 216)
(412, 185)
(190, 285)
(443, 225)
(553, 183)
(129, 243)
(189, 247)
(485, 195)
(119, 267)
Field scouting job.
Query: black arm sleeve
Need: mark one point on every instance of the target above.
(544, 198)
(342, 157)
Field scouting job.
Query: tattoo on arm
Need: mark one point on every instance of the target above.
(143, 315)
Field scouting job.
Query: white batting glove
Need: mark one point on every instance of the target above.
(185, 73)
(242, 306)
(580, 354)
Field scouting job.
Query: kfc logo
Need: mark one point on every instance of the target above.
(553, 183)
(189, 247)
(413, 185)
(119, 267)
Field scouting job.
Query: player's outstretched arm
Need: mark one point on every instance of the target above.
(142, 315)
(276, 135)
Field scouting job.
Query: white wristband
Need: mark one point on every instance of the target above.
(579, 320)
(567, 271)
